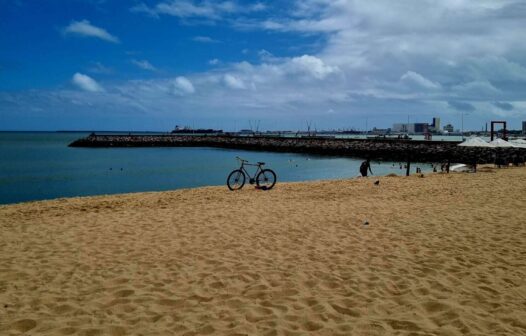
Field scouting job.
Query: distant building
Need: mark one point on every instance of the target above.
(449, 128)
(414, 128)
(399, 128)
(421, 128)
(435, 125)
(524, 127)
(380, 131)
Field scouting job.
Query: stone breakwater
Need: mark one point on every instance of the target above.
(376, 149)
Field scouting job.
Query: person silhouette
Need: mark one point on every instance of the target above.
(364, 166)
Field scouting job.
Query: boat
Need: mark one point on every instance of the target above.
(461, 168)
(189, 130)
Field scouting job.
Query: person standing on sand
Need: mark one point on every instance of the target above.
(364, 166)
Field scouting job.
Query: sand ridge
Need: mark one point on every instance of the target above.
(441, 255)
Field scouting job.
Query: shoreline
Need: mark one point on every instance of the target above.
(442, 254)
(247, 186)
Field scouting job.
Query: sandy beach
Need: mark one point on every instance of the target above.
(441, 255)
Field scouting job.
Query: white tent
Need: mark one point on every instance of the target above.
(519, 143)
(501, 143)
(476, 142)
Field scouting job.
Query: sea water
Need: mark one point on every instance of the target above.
(40, 165)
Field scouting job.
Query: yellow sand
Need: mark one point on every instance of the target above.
(442, 255)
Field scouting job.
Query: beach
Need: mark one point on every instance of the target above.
(442, 254)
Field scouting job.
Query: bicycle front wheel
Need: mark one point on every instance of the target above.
(266, 179)
(236, 180)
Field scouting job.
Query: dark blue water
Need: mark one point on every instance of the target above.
(36, 166)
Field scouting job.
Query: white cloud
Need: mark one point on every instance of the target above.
(503, 106)
(144, 64)
(86, 83)
(312, 65)
(234, 82)
(214, 61)
(476, 90)
(496, 68)
(266, 56)
(183, 86)
(85, 28)
(186, 9)
(259, 6)
(99, 68)
(419, 80)
(204, 39)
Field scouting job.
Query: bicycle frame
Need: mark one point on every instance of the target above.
(244, 170)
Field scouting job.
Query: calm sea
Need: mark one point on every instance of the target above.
(37, 166)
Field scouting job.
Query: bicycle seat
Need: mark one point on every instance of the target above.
(261, 163)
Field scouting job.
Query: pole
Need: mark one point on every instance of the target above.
(462, 126)
(492, 130)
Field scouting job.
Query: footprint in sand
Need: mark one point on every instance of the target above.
(259, 313)
(67, 331)
(403, 325)
(435, 307)
(116, 331)
(345, 311)
(92, 332)
(120, 281)
(374, 328)
(124, 293)
(62, 309)
(173, 303)
(312, 326)
(24, 325)
(271, 305)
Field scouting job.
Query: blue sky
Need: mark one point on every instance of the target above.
(132, 65)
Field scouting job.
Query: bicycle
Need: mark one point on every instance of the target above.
(265, 179)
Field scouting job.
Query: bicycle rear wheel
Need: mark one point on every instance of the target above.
(236, 180)
(266, 179)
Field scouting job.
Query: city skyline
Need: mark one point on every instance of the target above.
(92, 64)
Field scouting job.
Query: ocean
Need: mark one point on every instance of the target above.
(40, 165)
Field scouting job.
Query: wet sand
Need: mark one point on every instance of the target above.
(440, 255)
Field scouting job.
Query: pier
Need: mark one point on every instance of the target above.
(377, 149)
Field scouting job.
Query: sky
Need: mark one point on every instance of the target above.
(330, 64)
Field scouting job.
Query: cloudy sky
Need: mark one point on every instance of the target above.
(336, 64)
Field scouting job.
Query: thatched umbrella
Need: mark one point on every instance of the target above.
(499, 144)
(476, 142)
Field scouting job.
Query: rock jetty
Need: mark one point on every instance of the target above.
(376, 149)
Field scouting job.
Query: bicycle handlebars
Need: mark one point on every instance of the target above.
(243, 162)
